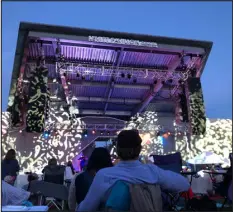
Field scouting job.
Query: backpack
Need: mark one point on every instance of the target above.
(134, 198)
(145, 197)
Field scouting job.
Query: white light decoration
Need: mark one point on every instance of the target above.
(33, 151)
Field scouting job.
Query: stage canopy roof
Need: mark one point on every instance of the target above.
(109, 73)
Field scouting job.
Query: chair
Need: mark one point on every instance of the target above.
(51, 191)
(54, 174)
(172, 162)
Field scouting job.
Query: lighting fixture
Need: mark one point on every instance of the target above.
(129, 76)
(93, 131)
(101, 133)
(163, 82)
(134, 80)
(46, 134)
(85, 133)
(64, 74)
(155, 82)
(122, 75)
(83, 77)
(78, 75)
(108, 133)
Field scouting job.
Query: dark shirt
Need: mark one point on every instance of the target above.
(10, 168)
(82, 185)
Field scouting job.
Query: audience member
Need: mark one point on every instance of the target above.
(51, 164)
(14, 196)
(99, 159)
(71, 166)
(31, 177)
(130, 170)
(10, 167)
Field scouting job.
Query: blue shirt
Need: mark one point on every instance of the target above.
(132, 172)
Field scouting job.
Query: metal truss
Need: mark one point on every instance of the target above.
(108, 71)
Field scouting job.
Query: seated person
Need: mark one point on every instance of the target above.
(31, 177)
(99, 159)
(53, 172)
(130, 170)
(14, 196)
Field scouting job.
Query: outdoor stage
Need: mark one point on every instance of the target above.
(72, 86)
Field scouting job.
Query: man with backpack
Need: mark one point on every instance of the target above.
(137, 176)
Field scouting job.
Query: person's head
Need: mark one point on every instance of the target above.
(10, 155)
(52, 162)
(128, 145)
(99, 159)
(69, 163)
(32, 177)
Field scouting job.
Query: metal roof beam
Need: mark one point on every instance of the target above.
(119, 113)
(175, 50)
(112, 83)
(155, 89)
(104, 85)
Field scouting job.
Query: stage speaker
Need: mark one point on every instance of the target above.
(196, 106)
(183, 106)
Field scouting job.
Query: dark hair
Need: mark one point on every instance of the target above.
(52, 162)
(99, 159)
(32, 177)
(10, 155)
(128, 144)
(71, 166)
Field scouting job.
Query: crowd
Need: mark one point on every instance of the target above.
(101, 184)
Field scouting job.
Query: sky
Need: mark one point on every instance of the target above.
(210, 21)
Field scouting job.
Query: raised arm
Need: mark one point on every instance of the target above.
(171, 181)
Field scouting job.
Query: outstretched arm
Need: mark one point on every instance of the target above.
(171, 181)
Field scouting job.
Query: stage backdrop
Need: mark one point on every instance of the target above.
(33, 151)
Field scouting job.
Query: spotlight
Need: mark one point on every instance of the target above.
(122, 75)
(20, 131)
(93, 131)
(64, 74)
(77, 75)
(163, 82)
(46, 134)
(179, 133)
(169, 133)
(85, 133)
(108, 133)
(101, 133)
(83, 77)
(155, 82)
(135, 80)
(129, 76)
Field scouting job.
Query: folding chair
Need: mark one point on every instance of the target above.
(171, 162)
(51, 191)
(54, 174)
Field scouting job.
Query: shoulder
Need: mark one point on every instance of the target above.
(108, 170)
